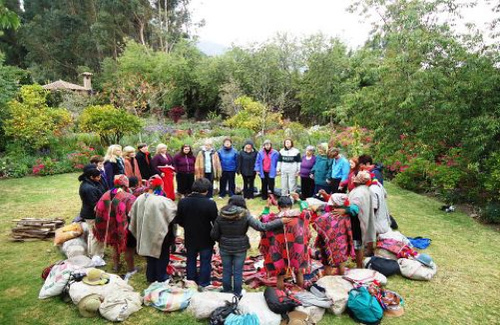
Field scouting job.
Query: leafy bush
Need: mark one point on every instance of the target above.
(32, 122)
(491, 212)
(416, 177)
(110, 123)
(175, 113)
(254, 116)
(15, 167)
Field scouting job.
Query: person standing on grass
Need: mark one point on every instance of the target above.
(151, 222)
(340, 171)
(131, 165)
(289, 167)
(90, 193)
(229, 163)
(230, 230)
(162, 165)
(196, 213)
(112, 219)
(98, 161)
(184, 162)
(246, 166)
(113, 163)
(321, 169)
(306, 181)
(144, 160)
(208, 165)
(265, 164)
(361, 212)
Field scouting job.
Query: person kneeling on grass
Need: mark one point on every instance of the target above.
(230, 230)
(112, 221)
(285, 250)
(361, 211)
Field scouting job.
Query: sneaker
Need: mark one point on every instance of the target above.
(128, 275)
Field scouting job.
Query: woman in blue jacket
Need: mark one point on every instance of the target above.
(265, 165)
(229, 162)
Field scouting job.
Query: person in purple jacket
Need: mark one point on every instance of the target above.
(184, 165)
(306, 181)
(265, 165)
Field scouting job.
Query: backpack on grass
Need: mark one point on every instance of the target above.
(219, 315)
(363, 307)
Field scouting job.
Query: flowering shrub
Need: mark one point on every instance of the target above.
(81, 156)
(175, 113)
(354, 140)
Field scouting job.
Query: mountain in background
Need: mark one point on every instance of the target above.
(211, 48)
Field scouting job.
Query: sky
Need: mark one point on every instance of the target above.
(242, 22)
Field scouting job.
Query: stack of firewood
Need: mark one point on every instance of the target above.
(29, 229)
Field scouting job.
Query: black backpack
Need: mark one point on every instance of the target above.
(279, 302)
(219, 315)
(385, 266)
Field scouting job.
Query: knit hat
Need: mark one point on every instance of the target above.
(267, 141)
(89, 170)
(362, 178)
(155, 182)
(121, 181)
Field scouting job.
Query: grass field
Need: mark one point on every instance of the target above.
(466, 289)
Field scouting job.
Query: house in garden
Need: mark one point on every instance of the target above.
(86, 89)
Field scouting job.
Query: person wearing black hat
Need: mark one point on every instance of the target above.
(246, 167)
(91, 191)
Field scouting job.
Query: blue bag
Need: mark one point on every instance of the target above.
(420, 242)
(245, 319)
(363, 307)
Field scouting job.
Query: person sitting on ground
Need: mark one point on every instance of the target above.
(230, 230)
(111, 223)
(90, 192)
(335, 238)
(151, 221)
(365, 162)
(196, 213)
(286, 250)
(360, 210)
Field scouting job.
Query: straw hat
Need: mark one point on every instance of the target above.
(96, 277)
(89, 305)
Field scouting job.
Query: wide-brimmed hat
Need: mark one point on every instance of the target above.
(425, 260)
(96, 277)
(296, 318)
(89, 305)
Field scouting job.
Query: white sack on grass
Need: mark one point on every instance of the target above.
(80, 262)
(413, 269)
(337, 289)
(315, 313)
(254, 302)
(119, 305)
(366, 276)
(74, 247)
(204, 303)
(79, 290)
(56, 280)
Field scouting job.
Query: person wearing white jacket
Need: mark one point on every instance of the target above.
(289, 167)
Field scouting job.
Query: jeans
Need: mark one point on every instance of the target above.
(248, 184)
(156, 269)
(227, 181)
(267, 185)
(203, 277)
(232, 271)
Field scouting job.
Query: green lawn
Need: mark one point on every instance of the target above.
(466, 289)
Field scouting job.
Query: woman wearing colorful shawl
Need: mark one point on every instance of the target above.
(112, 221)
(360, 210)
(286, 250)
(335, 238)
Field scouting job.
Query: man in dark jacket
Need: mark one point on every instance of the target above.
(230, 230)
(365, 162)
(229, 163)
(196, 213)
(246, 164)
(91, 191)
(143, 160)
